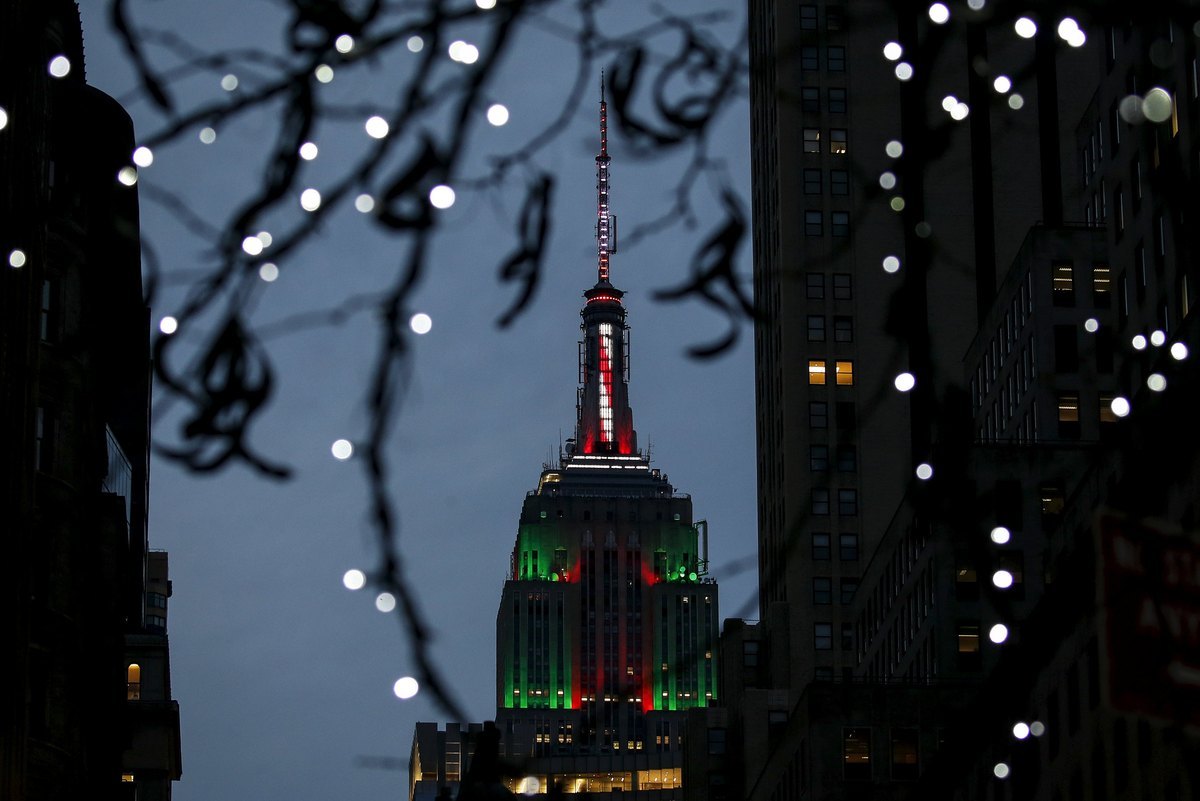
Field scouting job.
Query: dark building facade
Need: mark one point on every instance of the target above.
(607, 626)
(83, 600)
(968, 631)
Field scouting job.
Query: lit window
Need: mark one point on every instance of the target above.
(837, 141)
(133, 682)
(1064, 285)
(812, 140)
(1052, 500)
(1107, 415)
(845, 374)
(816, 371)
(127, 777)
(968, 638)
(856, 754)
(1068, 408)
(1101, 284)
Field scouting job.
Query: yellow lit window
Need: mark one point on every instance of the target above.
(133, 682)
(816, 371)
(968, 639)
(1068, 408)
(1174, 116)
(845, 374)
(126, 777)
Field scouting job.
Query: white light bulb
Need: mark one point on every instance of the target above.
(1138, 342)
(904, 71)
(308, 151)
(344, 43)
(405, 687)
(905, 381)
(892, 51)
(486, 5)
(168, 325)
(252, 245)
(268, 272)
(1020, 730)
(1025, 28)
(894, 149)
(385, 602)
(939, 14)
(143, 156)
(229, 82)
(266, 238)
(324, 73)
(415, 44)
(888, 180)
(1120, 406)
(60, 66)
(310, 199)
(924, 471)
(421, 323)
(354, 579)
(1000, 770)
(1000, 535)
(16, 258)
(342, 449)
(1091, 325)
(949, 102)
(1037, 728)
(891, 264)
(497, 114)
(377, 127)
(127, 175)
(1179, 351)
(960, 111)
(1002, 579)
(998, 633)
(441, 196)
(1157, 338)
(1157, 382)
(1067, 28)
(1002, 84)
(1016, 102)
(208, 135)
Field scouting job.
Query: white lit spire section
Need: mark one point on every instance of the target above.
(604, 221)
(606, 382)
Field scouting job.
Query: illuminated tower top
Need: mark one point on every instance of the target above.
(604, 424)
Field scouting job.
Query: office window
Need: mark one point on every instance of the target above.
(844, 373)
(816, 328)
(835, 18)
(820, 502)
(43, 434)
(847, 460)
(847, 502)
(750, 653)
(820, 547)
(848, 547)
(856, 754)
(818, 458)
(837, 101)
(1066, 349)
(1064, 284)
(969, 657)
(812, 140)
(808, 59)
(966, 582)
(716, 741)
(1101, 285)
(822, 591)
(835, 58)
(133, 682)
(843, 329)
(839, 224)
(816, 372)
(1106, 413)
(1118, 208)
(1052, 500)
(810, 99)
(904, 754)
(812, 182)
(815, 286)
(823, 636)
(1160, 238)
(847, 644)
(808, 18)
(812, 223)
(818, 414)
(849, 586)
(1135, 176)
(842, 286)
(1014, 564)
(47, 321)
(1122, 299)
(839, 182)
(837, 141)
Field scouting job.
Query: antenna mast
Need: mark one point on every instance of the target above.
(604, 220)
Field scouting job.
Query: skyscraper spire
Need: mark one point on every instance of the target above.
(605, 222)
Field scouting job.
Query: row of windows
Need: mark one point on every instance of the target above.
(847, 547)
(835, 18)
(841, 286)
(839, 223)
(1063, 284)
(818, 416)
(839, 182)
(835, 97)
(823, 591)
(846, 458)
(847, 502)
(823, 639)
(843, 328)
(835, 58)
(843, 372)
(838, 141)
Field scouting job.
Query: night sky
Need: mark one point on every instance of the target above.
(284, 678)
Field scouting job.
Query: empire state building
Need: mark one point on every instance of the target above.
(607, 626)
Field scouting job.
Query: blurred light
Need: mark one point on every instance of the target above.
(1120, 406)
(354, 579)
(1078, 39)
(266, 238)
(1130, 109)
(976, 5)
(16, 258)
(905, 381)
(960, 111)
(894, 149)
(892, 51)
(1025, 28)
(924, 471)
(1157, 382)
(949, 102)
(324, 73)
(904, 70)
(168, 325)
(486, 5)
(385, 602)
(252, 245)
(342, 449)
(1037, 728)
(1002, 579)
(1000, 535)
(463, 52)
(888, 180)
(377, 127)
(405, 687)
(60, 66)
(890, 264)
(344, 43)
(127, 176)
(268, 272)
(208, 135)
(530, 784)
(308, 151)
(1091, 325)
(1016, 102)
(415, 44)
(998, 633)
(1002, 84)
(1067, 28)
(441, 196)
(310, 199)
(229, 82)
(420, 323)
(897, 204)
(1138, 342)
(939, 14)
(1179, 351)
(3, 118)
(497, 114)
(143, 156)
(1156, 105)
(1157, 338)
(1020, 730)
(1000, 770)
(364, 203)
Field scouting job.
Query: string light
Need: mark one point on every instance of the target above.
(268, 272)
(904, 70)
(1138, 342)
(441, 196)
(1016, 102)
(891, 264)
(143, 156)
(344, 43)
(16, 258)
(310, 199)
(939, 14)
(323, 73)
(1179, 351)
(127, 176)
(1037, 728)
(252, 245)
(385, 602)
(924, 471)
(1120, 406)
(354, 579)
(208, 135)
(364, 203)
(486, 5)
(229, 82)
(1157, 382)
(1002, 84)
(1000, 535)
(3, 118)
(377, 127)
(888, 180)
(59, 67)
(308, 151)
(892, 51)
(1157, 338)
(463, 52)
(415, 44)
(405, 687)
(342, 449)
(1091, 325)
(998, 633)
(1025, 28)
(960, 111)
(421, 323)
(266, 238)
(1000, 770)
(1002, 579)
(905, 381)
(497, 114)
(168, 325)
(1020, 730)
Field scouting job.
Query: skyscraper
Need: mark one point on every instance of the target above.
(607, 624)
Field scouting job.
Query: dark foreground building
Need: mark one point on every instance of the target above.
(976, 409)
(85, 707)
(607, 624)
